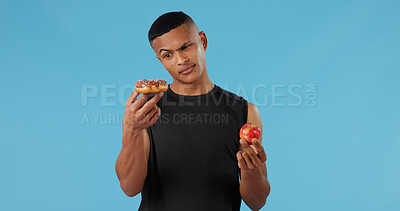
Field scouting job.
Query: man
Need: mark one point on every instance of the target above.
(183, 152)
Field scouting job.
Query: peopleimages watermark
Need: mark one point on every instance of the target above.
(261, 95)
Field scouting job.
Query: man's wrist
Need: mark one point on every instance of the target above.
(130, 137)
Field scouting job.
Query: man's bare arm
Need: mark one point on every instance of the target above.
(254, 185)
(131, 165)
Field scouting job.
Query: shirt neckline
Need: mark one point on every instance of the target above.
(213, 91)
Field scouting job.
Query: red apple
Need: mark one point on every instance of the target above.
(249, 131)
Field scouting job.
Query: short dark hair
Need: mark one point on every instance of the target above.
(167, 22)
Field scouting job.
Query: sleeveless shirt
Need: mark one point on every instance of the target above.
(192, 162)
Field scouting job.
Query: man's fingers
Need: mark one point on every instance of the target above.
(151, 113)
(151, 103)
(247, 158)
(256, 143)
(260, 149)
(254, 149)
(140, 101)
(243, 143)
(250, 152)
(154, 118)
(132, 98)
(241, 161)
(255, 160)
(263, 156)
(246, 146)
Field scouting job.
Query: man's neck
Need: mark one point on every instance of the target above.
(201, 86)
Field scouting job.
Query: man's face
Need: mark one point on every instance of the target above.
(181, 51)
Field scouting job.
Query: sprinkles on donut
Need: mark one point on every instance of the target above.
(151, 86)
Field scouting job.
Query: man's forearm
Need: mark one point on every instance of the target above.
(131, 165)
(254, 188)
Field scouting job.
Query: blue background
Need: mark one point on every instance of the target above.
(342, 153)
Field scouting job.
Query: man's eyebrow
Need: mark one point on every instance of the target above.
(178, 48)
(182, 46)
(163, 50)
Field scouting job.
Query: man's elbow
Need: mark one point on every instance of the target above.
(258, 205)
(260, 201)
(131, 192)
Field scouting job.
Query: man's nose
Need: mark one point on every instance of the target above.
(182, 58)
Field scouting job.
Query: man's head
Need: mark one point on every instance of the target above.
(167, 22)
(179, 46)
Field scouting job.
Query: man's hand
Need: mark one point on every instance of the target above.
(138, 116)
(251, 157)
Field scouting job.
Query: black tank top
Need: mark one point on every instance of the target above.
(193, 145)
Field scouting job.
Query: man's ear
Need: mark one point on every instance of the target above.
(204, 41)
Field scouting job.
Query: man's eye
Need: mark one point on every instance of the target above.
(186, 46)
(167, 55)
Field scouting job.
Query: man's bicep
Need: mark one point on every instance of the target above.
(253, 116)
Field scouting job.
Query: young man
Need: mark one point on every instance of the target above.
(181, 148)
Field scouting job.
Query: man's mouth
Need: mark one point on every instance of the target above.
(186, 70)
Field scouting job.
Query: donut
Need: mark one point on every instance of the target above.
(151, 86)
